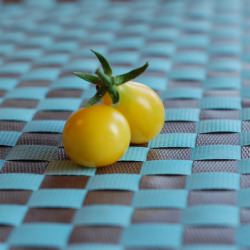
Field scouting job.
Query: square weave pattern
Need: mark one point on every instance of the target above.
(189, 188)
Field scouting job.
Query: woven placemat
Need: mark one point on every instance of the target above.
(189, 188)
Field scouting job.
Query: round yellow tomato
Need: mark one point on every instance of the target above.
(96, 136)
(142, 108)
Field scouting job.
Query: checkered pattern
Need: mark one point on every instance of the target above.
(188, 188)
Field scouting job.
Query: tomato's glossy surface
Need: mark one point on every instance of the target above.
(142, 108)
(96, 136)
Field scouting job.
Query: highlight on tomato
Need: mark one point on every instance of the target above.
(140, 104)
(96, 136)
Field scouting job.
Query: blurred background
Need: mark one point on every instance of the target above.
(193, 188)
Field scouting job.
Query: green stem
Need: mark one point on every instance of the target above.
(106, 82)
(96, 98)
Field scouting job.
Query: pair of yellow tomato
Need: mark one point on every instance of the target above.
(121, 112)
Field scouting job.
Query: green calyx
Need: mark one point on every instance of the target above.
(107, 83)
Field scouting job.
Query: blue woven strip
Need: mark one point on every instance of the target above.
(138, 29)
(82, 64)
(70, 82)
(13, 37)
(59, 104)
(245, 114)
(225, 65)
(6, 48)
(124, 58)
(211, 215)
(160, 199)
(188, 74)
(245, 57)
(244, 166)
(219, 152)
(161, 49)
(223, 83)
(20, 181)
(93, 246)
(227, 32)
(135, 154)
(47, 74)
(43, 235)
(57, 198)
(9, 138)
(210, 247)
(173, 20)
(53, 59)
(26, 54)
(114, 181)
(68, 168)
(155, 82)
(160, 65)
(7, 83)
(194, 57)
(27, 93)
(198, 41)
(245, 92)
(169, 167)
(3, 246)
(111, 215)
(197, 26)
(214, 180)
(1, 164)
(221, 103)
(174, 140)
(51, 126)
(134, 42)
(245, 74)
(226, 49)
(242, 236)
(42, 41)
(33, 152)
(102, 36)
(74, 33)
(211, 126)
(63, 46)
(16, 114)
(137, 235)
(52, 29)
(183, 93)
(243, 198)
(15, 68)
(12, 215)
(245, 139)
(184, 114)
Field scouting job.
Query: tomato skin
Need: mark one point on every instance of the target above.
(142, 108)
(96, 136)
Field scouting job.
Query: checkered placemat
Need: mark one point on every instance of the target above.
(189, 188)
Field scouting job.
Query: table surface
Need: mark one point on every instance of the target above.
(188, 188)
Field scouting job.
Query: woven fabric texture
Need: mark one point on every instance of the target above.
(189, 188)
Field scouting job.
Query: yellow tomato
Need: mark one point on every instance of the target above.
(142, 108)
(96, 136)
(140, 105)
